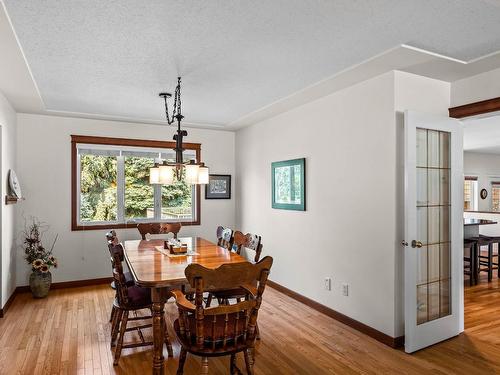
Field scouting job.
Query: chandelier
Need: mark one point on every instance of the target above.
(164, 172)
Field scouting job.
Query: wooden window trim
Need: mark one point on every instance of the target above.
(76, 139)
(474, 109)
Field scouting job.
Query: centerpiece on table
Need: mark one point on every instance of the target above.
(40, 259)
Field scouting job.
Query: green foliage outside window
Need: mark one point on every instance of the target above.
(98, 186)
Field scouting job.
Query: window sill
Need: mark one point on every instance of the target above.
(100, 226)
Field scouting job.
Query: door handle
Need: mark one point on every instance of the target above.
(415, 243)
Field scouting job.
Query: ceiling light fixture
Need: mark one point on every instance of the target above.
(163, 172)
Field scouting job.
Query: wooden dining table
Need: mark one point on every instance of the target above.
(152, 268)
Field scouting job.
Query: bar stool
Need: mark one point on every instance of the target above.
(495, 265)
(470, 268)
(485, 262)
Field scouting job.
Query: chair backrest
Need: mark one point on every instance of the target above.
(226, 325)
(111, 236)
(118, 276)
(248, 241)
(113, 241)
(158, 228)
(225, 237)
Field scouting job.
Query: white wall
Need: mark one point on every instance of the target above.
(352, 229)
(45, 174)
(473, 89)
(348, 231)
(8, 213)
(487, 169)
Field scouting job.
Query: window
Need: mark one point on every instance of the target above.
(111, 184)
(470, 193)
(495, 196)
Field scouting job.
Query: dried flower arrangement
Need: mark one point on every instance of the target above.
(36, 254)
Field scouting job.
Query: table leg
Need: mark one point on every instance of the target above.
(158, 330)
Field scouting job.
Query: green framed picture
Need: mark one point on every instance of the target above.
(289, 184)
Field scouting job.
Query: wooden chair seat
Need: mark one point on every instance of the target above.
(215, 335)
(138, 298)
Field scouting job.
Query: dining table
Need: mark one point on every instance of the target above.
(155, 268)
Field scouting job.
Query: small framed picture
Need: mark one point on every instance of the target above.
(218, 187)
(289, 184)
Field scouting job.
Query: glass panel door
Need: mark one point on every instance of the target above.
(433, 255)
(433, 224)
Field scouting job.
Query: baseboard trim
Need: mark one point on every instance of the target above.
(394, 342)
(70, 284)
(3, 310)
(60, 285)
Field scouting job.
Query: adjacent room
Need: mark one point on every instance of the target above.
(265, 187)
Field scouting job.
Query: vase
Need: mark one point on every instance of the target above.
(40, 284)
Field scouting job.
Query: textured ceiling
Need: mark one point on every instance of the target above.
(112, 57)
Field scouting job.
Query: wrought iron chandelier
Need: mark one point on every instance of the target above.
(164, 172)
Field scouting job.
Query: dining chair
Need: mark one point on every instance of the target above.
(485, 259)
(226, 329)
(129, 299)
(158, 228)
(225, 237)
(112, 241)
(241, 241)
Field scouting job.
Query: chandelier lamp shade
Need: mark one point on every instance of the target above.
(193, 172)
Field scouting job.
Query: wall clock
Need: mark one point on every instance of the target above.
(15, 188)
(483, 193)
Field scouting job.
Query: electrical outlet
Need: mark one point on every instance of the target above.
(328, 283)
(345, 289)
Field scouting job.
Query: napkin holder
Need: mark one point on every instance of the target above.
(176, 249)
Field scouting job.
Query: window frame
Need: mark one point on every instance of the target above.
(75, 168)
(494, 184)
(474, 193)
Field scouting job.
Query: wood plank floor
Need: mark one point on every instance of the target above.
(68, 333)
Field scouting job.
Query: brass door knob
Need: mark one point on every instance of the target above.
(415, 243)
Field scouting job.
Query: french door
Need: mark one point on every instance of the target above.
(433, 244)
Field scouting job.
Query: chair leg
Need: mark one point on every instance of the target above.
(490, 262)
(498, 260)
(209, 300)
(168, 344)
(257, 331)
(115, 326)
(248, 361)
(232, 364)
(113, 311)
(204, 366)
(123, 327)
(182, 360)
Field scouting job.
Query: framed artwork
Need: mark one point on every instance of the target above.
(218, 187)
(289, 184)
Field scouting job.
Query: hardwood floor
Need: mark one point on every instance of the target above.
(68, 333)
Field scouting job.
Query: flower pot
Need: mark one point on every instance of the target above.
(40, 284)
